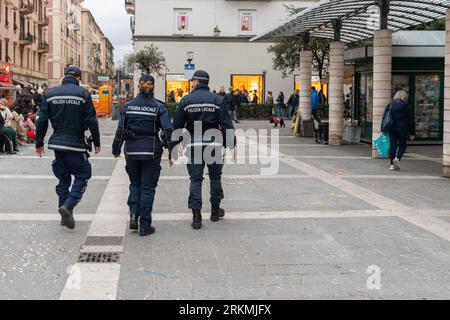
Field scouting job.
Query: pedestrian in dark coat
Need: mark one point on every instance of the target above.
(4, 140)
(403, 129)
(280, 105)
(235, 105)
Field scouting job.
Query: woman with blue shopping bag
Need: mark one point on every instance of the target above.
(400, 124)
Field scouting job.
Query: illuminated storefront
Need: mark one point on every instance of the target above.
(7, 89)
(315, 83)
(250, 84)
(176, 87)
(421, 75)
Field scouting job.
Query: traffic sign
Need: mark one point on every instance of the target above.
(189, 70)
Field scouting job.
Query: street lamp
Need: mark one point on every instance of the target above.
(190, 56)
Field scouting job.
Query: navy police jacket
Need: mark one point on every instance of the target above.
(71, 112)
(144, 116)
(208, 108)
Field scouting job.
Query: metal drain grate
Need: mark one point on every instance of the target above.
(99, 257)
(104, 241)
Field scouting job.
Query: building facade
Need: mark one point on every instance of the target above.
(418, 65)
(217, 34)
(64, 37)
(128, 69)
(24, 40)
(92, 39)
(107, 57)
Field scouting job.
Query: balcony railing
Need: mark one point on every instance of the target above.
(26, 7)
(130, 6)
(43, 47)
(25, 39)
(43, 21)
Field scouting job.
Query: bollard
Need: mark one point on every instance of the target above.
(115, 111)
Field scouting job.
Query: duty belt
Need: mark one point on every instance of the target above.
(69, 132)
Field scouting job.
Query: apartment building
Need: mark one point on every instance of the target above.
(107, 57)
(24, 41)
(64, 37)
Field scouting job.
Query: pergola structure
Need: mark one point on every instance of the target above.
(346, 21)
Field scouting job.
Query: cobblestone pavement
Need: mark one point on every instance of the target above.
(332, 223)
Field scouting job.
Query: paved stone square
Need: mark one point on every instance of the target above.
(313, 231)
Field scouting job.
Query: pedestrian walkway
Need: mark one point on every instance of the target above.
(330, 224)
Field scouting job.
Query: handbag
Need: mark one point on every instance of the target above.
(388, 122)
(383, 145)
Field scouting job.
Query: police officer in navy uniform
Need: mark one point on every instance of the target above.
(71, 112)
(141, 121)
(210, 111)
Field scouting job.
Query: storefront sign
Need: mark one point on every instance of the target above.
(175, 77)
(103, 79)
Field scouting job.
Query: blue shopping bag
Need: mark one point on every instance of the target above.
(383, 145)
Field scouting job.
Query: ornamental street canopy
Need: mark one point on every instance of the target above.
(358, 18)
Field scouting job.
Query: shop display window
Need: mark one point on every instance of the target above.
(427, 106)
(251, 84)
(176, 88)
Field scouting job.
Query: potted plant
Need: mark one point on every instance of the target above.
(216, 31)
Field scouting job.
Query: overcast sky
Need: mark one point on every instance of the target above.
(114, 22)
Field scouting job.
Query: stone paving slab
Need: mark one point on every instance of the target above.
(447, 219)
(375, 167)
(259, 195)
(35, 258)
(422, 194)
(233, 169)
(321, 150)
(299, 259)
(38, 196)
(44, 166)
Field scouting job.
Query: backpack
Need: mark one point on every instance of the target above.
(388, 122)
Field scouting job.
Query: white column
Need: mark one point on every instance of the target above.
(305, 84)
(55, 36)
(382, 80)
(446, 161)
(337, 68)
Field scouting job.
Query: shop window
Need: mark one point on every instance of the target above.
(427, 106)
(251, 84)
(315, 84)
(176, 87)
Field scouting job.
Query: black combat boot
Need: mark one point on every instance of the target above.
(217, 213)
(67, 217)
(9, 147)
(134, 222)
(197, 220)
(147, 232)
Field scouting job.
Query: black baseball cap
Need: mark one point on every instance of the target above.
(147, 78)
(73, 71)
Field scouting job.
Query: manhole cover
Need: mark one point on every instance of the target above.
(99, 257)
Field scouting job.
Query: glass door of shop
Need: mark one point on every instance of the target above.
(365, 105)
